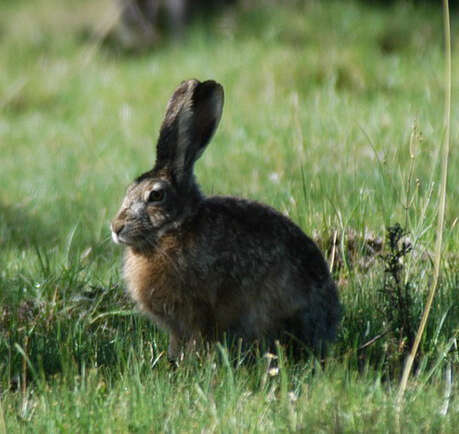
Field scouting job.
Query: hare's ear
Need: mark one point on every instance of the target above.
(192, 116)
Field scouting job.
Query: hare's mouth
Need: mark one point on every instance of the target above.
(123, 239)
(121, 233)
(120, 237)
(116, 238)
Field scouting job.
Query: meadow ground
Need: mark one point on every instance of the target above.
(333, 114)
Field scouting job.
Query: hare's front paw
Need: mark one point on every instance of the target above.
(174, 351)
(178, 347)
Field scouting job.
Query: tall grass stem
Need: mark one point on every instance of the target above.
(2, 420)
(442, 206)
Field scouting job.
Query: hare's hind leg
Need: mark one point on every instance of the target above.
(305, 333)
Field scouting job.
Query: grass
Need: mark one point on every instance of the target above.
(333, 114)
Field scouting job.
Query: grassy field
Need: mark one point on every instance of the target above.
(333, 114)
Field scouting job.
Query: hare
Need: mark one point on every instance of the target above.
(214, 267)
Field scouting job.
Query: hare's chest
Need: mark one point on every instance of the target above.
(152, 283)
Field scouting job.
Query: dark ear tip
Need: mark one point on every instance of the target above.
(207, 90)
(211, 85)
(200, 90)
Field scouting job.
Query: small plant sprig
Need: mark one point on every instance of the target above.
(398, 301)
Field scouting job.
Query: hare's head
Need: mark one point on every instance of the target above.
(161, 199)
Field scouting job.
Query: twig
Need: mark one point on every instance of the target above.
(24, 366)
(332, 261)
(373, 340)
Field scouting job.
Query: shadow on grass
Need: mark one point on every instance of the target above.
(23, 228)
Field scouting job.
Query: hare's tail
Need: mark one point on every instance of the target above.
(315, 325)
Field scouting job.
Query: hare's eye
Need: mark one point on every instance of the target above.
(156, 196)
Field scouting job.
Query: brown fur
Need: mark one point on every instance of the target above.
(150, 277)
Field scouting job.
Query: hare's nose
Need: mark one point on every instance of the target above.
(117, 227)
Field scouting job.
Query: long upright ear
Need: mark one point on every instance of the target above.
(192, 116)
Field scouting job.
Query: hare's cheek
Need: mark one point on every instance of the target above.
(157, 219)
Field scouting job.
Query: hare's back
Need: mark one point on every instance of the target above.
(259, 234)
